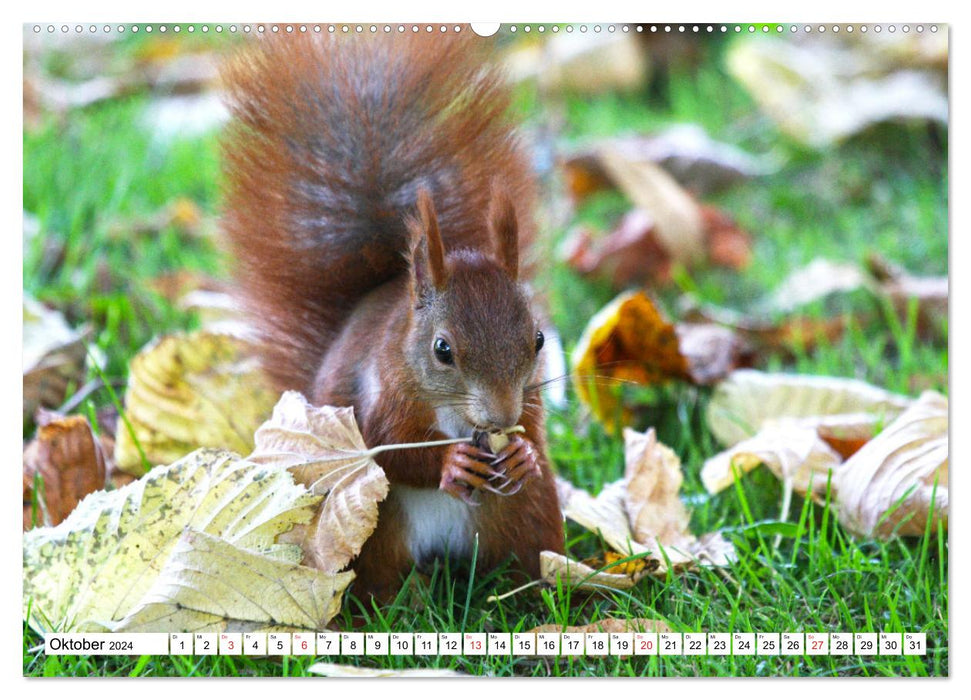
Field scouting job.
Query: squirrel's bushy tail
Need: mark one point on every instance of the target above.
(331, 139)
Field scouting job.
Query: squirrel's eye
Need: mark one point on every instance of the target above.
(443, 351)
(540, 339)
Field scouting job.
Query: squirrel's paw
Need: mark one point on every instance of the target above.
(518, 462)
(466, 469)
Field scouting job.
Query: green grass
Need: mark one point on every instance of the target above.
(885, 191)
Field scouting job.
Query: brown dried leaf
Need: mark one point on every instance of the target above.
(609, 624)
(679, 226)
(900, 477)
(727, 244)
(630, 341)
(70, 462)
(685, 151)
(630, 254)
(653, 477)
(323, 448)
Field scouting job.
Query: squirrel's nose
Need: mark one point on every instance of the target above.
(503, 410)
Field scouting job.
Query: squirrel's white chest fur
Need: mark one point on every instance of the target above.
(435, 523)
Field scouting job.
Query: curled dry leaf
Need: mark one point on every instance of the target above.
(609, 624)
(889, 483)
(793, 451)
(67, 462)
(630, 341)
(53, 356)
(747, 398)
(633, 254)
(324, 450)
(652, 474)
(628, 255)
(191, 390)
(642, 514)
(899, 478)
(97, 567)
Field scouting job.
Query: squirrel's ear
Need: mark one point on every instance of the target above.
(427, 251)
(505, 230)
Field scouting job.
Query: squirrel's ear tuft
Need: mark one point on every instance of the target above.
(427, 251)
(505, 230)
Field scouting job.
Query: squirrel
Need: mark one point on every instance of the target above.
(378, 205)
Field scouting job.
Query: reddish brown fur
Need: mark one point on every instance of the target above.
(330, 142)
(349, 158)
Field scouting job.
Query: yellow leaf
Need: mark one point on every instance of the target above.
(96, 567)
(187, 391)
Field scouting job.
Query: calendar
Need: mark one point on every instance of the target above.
(351, 645)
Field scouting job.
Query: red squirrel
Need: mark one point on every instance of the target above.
(377, 201)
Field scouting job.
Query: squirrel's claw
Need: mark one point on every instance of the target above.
(520, 462)
(465, 471)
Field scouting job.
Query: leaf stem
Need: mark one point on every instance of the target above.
(433, 443)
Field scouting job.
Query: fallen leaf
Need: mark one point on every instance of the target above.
(95, 568)
(678, 223)
(930, 294)
(642, 514)
(345, 671)
(219, 313)
(555, 567)
(210, 585)
(891, 480)
(67, 458)
(580, 63)
(629, 341)
(727, 244)
(786, 335)
(53, 357)
(630, 254)
(191, 390)
(324, 450)
(685, 151)
(900, 477)
(823, 90)
(653, 484)
(817, 280)
(794, 452)
(610, 625)
(747, 398)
